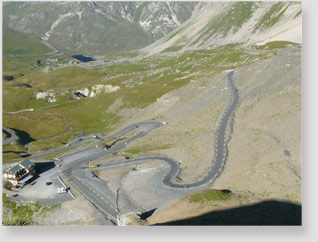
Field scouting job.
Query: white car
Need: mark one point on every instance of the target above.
(61, 190)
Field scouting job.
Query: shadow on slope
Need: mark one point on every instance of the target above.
(8, 135)
(145, 215)
(264, 213)
(24, 137)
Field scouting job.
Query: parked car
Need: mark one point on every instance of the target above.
(48, 183)
(61, 190)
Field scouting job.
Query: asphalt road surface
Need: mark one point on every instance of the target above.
(71, 145)
(75, 161)
(10, 137)
(97, 198)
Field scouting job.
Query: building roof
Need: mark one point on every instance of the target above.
(26, 164)
(15, 169)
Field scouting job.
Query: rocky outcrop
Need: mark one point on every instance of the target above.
(96, 90)
(48, 96)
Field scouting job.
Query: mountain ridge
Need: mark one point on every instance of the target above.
(96, 28)
(215, 24)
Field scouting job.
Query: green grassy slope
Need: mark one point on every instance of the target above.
(141, 83)
(17, 43)
(232, 20)
(272, 16)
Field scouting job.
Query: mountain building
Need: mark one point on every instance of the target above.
(21, 173)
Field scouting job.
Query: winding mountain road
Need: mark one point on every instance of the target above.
(75, 170)
(220, 149)
(73, 163)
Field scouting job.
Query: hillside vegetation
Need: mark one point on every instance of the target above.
(102, 113)
(19, 44)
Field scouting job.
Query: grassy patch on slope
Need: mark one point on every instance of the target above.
(208, 195)
(28, 122)
(299, 13)
(20, 51)
(17, 43)
(15, 214)
(172, 48)
(232, 20)
(140, 149)
(275, 45)
(272, 16)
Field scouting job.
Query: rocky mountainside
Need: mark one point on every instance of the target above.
(96, 28)
(220, 23)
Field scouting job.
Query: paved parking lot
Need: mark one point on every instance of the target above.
(38, 191)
